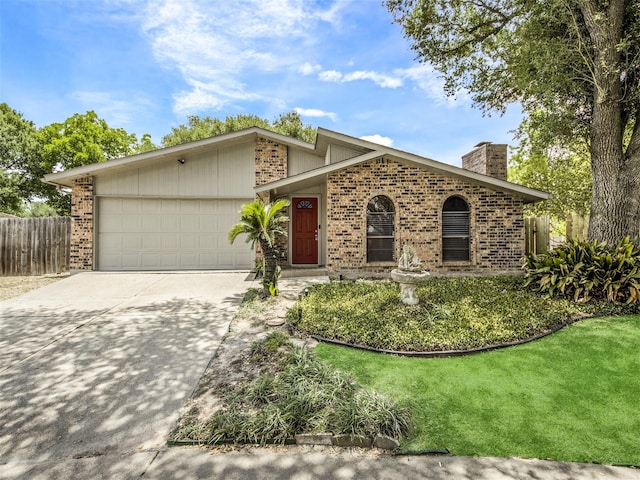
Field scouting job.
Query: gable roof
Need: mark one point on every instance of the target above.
(324, 138)
(65, 177)
(377, 151)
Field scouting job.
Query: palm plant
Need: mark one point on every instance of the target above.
(261, 222)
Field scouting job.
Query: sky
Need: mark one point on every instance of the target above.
(146, 65)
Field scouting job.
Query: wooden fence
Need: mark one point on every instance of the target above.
(536, 234)
(34, 246)
(577, 226)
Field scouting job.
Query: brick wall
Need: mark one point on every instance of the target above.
(271, 162)
(81, 255)
(496, 221)
(488, 159)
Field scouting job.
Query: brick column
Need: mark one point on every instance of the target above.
(271, 162)
(82, 224)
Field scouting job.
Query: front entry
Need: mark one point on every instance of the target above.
(304, 231)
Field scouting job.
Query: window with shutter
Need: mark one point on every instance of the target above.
(455, 230)
(380, 229)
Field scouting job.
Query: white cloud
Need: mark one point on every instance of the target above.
(430, 81)
(386, 141)
(330, 76)
(308, 68)
(423, 76)
(217, 45)
(380, 79)
(312, 112)
(117, 112)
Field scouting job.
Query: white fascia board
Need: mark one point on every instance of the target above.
(317, 172)
(434, 165)
(467, 175)
(527, 193)
(64, 178)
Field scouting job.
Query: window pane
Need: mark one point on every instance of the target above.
(455, 223)
(380, 224)
(455, 249)
(455, 204)
(304, 204)
(379, 249)
(380, 203)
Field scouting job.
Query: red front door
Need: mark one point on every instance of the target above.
(304, 239)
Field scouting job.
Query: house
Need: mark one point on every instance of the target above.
(354, 204)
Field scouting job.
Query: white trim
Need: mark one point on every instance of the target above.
(174, 152)
(527, 193)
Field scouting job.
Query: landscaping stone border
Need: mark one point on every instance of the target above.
(446, 353)
(382, 442)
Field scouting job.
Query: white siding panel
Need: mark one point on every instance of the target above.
(300, 161)
(160, 179)
(340, 153)
(197, 176)
(122, 183)
(236, 171)
(224, 172)
(159, 234)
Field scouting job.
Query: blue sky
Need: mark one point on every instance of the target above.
(145, 65)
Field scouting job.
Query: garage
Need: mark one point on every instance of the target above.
(169, 234)
(170, 208)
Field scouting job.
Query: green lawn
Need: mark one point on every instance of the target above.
(572, 396)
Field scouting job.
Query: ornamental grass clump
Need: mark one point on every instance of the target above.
(585, 271)
(303, 396)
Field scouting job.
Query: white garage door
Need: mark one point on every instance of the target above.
(169, 234)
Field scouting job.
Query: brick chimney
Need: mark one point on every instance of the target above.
(487, 158)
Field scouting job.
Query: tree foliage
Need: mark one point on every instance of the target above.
(198, 128)
(575, 62)
(28, 153)
(20, 168)
(562, 170)
(83, 139)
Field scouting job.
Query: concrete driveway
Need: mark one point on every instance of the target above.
(99, 364)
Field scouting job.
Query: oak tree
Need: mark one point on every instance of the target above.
(198, 128)
(575, 60)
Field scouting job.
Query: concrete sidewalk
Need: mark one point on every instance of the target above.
(305, 464)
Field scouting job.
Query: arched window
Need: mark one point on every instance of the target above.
(455, 230)
(380, 229)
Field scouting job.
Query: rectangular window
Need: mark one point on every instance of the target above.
(379, 249)
(455, 236)
(380, 229)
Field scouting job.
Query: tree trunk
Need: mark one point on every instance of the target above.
(614, 202)
(270, 266)
(630, 181)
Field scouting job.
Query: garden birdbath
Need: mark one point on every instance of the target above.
(409, 275)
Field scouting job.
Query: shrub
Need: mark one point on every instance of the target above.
(303, 396)
(454, 313)
(587, 270)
